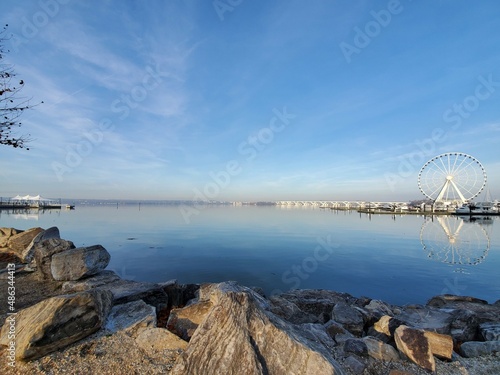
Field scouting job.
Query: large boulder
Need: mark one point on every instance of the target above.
(44, 250)
(57, 322)
(240, 336)
(78, 263)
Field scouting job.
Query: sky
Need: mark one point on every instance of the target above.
(245, 100)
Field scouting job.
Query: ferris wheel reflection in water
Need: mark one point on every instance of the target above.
(455, 240)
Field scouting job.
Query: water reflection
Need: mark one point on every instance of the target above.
(456, 240)
(27, 213)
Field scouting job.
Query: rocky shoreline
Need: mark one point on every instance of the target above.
(71, 315)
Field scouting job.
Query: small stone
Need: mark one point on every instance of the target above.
(379, 308)
(490, 331)
(131, 317)
(354, 364)
(333, 328)
(356, 346)
(473, 349)
(379, 350)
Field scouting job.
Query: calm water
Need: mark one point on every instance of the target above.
(401, 259)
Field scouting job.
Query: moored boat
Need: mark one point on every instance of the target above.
(478, 208)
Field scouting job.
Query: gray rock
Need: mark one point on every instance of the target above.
(78, 263)
(490, 331)
(427, 318)
(131, 317)
(450, 299)
(464, 326)
(378, 309)
(318, 303)
(484, 311)
(477, 349)
(354, 364)
(333, 328)
(123, 290)
(44, 250)
(57, 322)
(317, 333)
(356, 346)
(102, 278)
(341, 338)
(380, 350)
(350, 318)
(290, 311)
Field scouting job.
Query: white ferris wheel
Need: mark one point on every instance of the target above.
(453, 177)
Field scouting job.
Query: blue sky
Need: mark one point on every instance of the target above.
(250, 100)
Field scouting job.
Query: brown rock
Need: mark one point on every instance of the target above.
(5, 234)
(441, 345)
(20, 242)
(183, 322)
(387, 325)
(57, 322)
(414, 344)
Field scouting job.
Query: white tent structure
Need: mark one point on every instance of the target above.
(36, 201)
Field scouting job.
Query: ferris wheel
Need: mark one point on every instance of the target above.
(452, 177)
